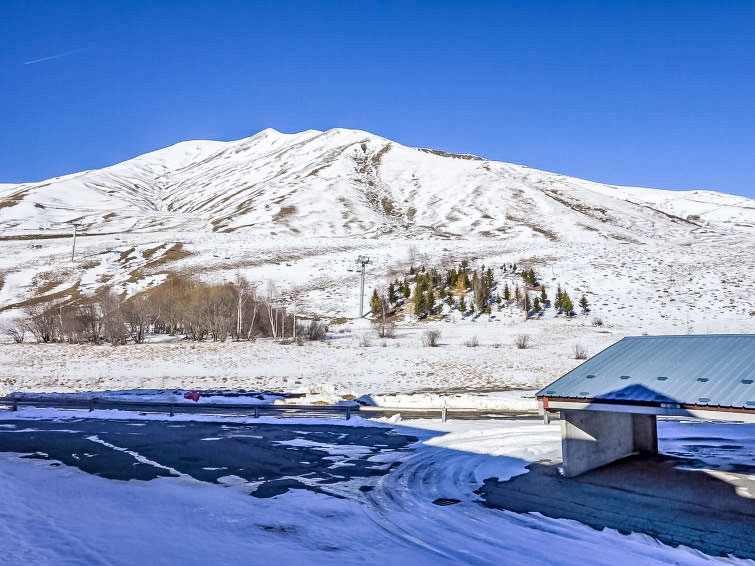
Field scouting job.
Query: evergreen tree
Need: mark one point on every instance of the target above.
(559, 298)
(536, 304)
(543, 295)
(517, 294)
(430, 301)
(527, 302)
(407, 291)
(462, 305)
(583, 303)
(489, 277)
(375, 302)
(566, 303)
(392, 297)
(506, 292)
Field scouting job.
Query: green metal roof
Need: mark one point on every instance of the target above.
(717, 370)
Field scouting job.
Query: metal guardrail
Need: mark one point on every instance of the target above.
(254, 410)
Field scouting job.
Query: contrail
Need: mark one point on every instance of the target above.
(57, 56)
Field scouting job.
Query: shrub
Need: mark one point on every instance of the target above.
(385, 329)
(430, 338)
(317, 330)
(579, 352)
(473, 342)
(17, 332)
(522, 341)
(365, 340)
(597, 321)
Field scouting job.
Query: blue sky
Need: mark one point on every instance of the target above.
(658, 94)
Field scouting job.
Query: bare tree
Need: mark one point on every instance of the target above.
(44, 321)
(270, 307)
(113, 322)
(139, 313)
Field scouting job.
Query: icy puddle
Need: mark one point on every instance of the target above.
(266, 459)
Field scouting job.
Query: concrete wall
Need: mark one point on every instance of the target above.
(590, 439)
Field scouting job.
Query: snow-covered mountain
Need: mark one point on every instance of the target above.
(297, 210)
(350, 183)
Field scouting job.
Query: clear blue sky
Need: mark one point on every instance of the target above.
(658, 94)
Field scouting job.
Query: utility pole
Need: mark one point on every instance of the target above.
(363, 261)
(76, 226)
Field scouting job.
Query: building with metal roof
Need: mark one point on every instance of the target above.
(609, 404)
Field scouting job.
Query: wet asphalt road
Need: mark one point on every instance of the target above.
(271, 458)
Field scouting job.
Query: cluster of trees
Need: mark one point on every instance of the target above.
(178, 306)
(468, 289)
(434, 287)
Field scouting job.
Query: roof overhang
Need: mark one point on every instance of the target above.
(553, 404)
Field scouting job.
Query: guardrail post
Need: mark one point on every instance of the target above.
(256, 412)
(443, 415)
(546, 418)
(348, 412)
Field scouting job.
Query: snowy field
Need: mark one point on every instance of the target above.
(54, 514)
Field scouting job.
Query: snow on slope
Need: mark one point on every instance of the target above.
(351, 183)
(298, 208)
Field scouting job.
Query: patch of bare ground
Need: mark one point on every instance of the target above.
(466, 156)
(70, 293)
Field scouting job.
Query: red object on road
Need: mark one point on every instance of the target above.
(193, 395)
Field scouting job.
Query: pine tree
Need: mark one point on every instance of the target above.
(430, 301)
(462, 305)
(392, 298)
(517, 294)
(536, 304)
(543, 295)
(583, 303)
(407, 290)
(527, 302)
(375, 302)
(506, 292)
(566, 303)
(559, 298)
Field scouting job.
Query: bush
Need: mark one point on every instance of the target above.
(430, 338)
(17, 332)
(365, 340)
(579, 352)
(473, 342)
(317, 330)
(522, 341)
(385, 329)
(597, 321)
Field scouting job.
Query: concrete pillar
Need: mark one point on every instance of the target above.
(590, 439)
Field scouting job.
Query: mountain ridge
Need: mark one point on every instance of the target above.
(351, 183)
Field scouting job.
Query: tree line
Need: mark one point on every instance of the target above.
(179, 306)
